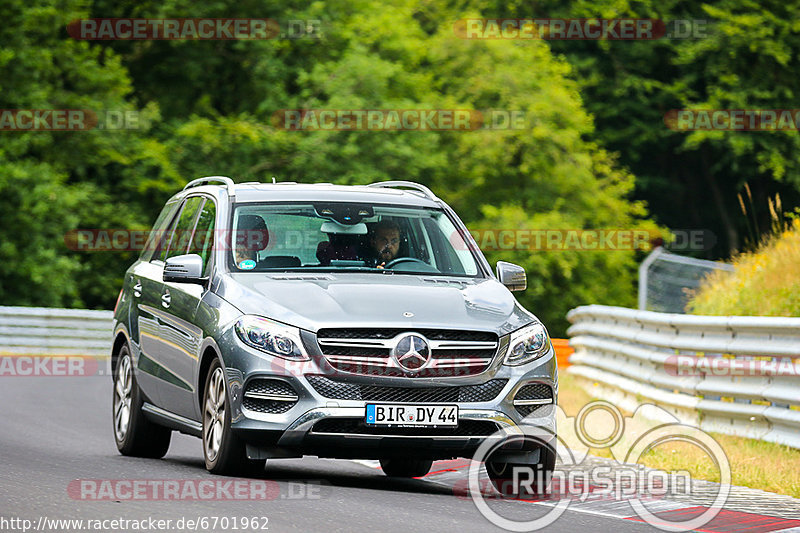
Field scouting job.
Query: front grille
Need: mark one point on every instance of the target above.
(535, 391)
(271, 407)
(339, 390)
(367, 351)
(538, 410)
(271, 396)
(390, 333)
(270, 386)
(356, 426)
(464, 353)
(356, 351)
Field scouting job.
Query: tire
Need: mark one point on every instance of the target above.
(135, 435)
(223, 451)
(405, 467)
(502, 475)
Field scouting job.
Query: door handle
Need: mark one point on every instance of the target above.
(165, 300)
(137, 289)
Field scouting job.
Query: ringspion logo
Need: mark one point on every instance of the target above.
(576, 477)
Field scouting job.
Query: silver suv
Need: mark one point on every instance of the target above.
(281, 320)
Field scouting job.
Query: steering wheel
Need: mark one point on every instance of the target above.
(399, 260)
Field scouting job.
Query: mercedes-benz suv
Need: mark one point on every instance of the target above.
(281, 320)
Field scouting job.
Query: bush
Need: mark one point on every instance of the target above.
(765, 282)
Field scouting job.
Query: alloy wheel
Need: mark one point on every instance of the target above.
(214, 415)
(122, 398)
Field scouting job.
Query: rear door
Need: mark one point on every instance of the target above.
(144, 280)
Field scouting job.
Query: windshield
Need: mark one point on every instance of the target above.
(348, 237)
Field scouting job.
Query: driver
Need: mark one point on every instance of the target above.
(385, 242)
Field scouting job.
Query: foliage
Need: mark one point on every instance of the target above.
(744, 57)
(765, 283)
(54, 182)
(210, 108)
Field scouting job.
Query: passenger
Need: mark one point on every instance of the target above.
(252, 236)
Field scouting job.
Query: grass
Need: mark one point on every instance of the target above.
(765, 283)
(755, 464)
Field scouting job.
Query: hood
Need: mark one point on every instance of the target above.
(322, 300)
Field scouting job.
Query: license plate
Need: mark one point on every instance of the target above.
(384, 414)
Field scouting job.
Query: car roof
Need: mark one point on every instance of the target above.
(254, 192)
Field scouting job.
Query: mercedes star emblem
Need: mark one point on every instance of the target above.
(412, 352)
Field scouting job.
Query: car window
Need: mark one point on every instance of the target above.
(203, 241)
(158, 232)
(289, 235)
(347, 236)
(450, 247)
(181, 234)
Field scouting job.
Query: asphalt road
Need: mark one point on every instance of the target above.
(57, 431)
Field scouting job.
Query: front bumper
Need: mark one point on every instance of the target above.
(293, 433)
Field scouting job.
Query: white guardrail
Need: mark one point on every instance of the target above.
(45, 331)
(736, 375)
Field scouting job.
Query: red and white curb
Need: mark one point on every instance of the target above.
(746, 511)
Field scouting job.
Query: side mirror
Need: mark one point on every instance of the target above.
(512, 276)
(184, 269)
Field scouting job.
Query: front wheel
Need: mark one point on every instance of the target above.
(134, 434)
(405, 467)
(224, 452)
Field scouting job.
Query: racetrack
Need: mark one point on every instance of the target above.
(56, 430)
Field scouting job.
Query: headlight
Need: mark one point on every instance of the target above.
(527, 344)
(271, 337)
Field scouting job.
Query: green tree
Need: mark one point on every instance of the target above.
(545, 175)
(744, 58)
(211, 108)
(55, 182)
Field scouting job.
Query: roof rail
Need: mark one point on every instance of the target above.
(208, 179)
(407, 184)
